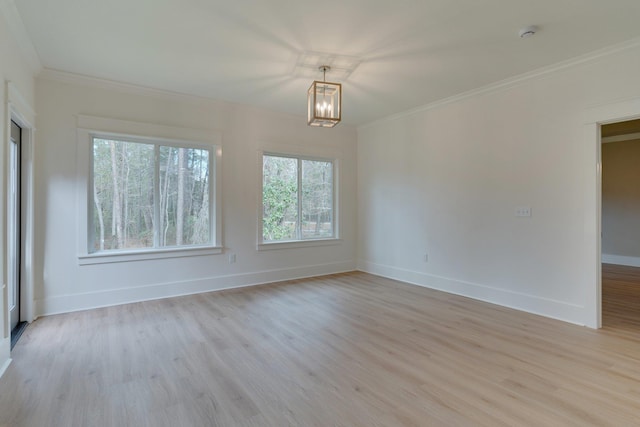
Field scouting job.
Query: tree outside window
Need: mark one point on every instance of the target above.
(149, 195)
(297, 198)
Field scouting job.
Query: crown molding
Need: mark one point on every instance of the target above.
(16, 27)
(21, 105)
(513, 81)
(130, 88)
(133, 89)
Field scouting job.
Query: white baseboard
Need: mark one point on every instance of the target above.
(5, 354)
(631, 261)
(532, 304)
(77, 302)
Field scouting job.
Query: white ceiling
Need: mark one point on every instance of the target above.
(406, 53)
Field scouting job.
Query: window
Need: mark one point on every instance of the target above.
(298, 198)
(148, 194)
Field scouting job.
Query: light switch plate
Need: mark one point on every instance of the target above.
(523, 211)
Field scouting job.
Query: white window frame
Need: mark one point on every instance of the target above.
(96, 127)
(299, 242)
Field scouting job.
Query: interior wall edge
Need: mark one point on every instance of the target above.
(546, 307)
(77, 302)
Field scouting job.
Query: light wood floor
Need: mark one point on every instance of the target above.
(621, 298)
(343, 350)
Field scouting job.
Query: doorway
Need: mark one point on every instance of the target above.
(14, 234)
(620, 225)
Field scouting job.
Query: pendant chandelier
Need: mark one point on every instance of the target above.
(324, 102)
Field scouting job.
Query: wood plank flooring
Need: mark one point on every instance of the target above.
(621, 298)
(342, 350)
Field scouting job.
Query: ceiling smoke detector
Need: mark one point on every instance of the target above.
(528, 31)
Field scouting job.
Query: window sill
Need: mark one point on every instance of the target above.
(127, 256)
(294, 244)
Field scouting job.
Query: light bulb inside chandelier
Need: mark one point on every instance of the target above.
(324, 108)
(324, 101)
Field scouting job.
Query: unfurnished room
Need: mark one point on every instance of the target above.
(345, 213)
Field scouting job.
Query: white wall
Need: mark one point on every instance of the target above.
(65, 285)
(621, 202)
(14, 68)
(446, 180)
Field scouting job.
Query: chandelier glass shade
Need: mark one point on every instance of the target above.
(324, 102)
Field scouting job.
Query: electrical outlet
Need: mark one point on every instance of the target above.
(232, 258)
(523, 211)
(425, 257)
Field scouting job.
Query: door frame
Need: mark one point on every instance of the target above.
(14, 217)
(20, 112)
(594, 118)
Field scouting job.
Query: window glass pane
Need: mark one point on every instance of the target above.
(184, 197)
(279, 198)
(122, 195)
(317, 199)
(132, 211)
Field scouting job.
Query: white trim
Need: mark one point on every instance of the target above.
(22, 109)
(90, 126)
(296, 244)
(155, 253)
(592, 165)
(163, 94)
(593, 119)
(148, 130)
(76, 302)
(512, 81)
(122, 87)
(17, 28)
(305, 153)
(555, 309)
(621, 138)
(631, 261)
(19, 110)
(305, 149)
(215, 193)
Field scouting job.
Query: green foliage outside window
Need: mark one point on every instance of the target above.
(290, 214)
